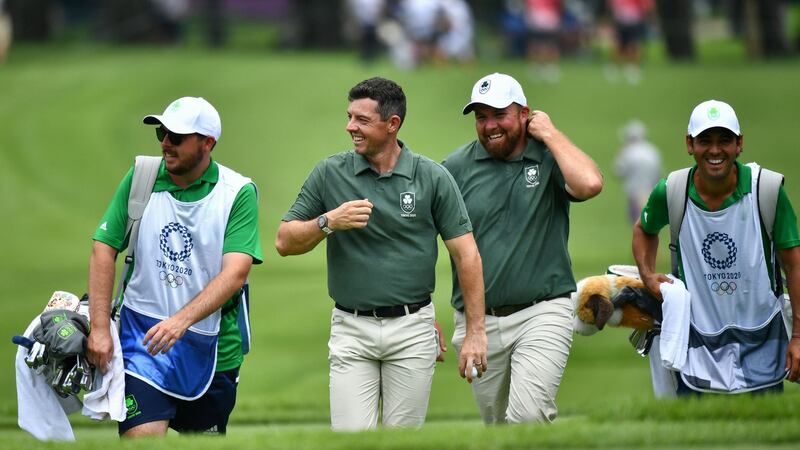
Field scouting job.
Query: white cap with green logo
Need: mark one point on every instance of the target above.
(711, 114)
(497, 90)
(189, 115)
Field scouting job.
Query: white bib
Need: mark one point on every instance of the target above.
(179, 251)
(737, 341)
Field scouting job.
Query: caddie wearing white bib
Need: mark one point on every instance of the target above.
(738, 341)
(197, 240)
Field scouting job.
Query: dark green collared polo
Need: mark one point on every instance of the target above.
(520, 214)
(392, 260)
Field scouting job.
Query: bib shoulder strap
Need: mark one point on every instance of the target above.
(768, 184)
(677, 194)
(145, 171)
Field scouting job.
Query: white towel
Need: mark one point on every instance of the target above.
(40, 411)
(108, 400)
(665, 384)
(674, 341)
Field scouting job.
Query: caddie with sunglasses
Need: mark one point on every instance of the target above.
(197, 241)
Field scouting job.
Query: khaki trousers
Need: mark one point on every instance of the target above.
(527, 355)
(381, 367)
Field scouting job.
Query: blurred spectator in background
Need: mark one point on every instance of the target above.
(5, 32)
(457, 27)
(420, 20)
(368, 15)
(215, 21)
(638, 164)
(543, 18)
(170, 16)
(630, 18)
(512, 21)
(578, 24)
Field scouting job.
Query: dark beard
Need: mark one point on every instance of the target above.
(503, 154)
(188, 165)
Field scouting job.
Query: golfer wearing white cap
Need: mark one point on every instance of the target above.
(726, 256)
(518, 180)
(198, 238)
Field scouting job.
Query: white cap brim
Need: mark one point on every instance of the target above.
(174, 126)
(471, 105)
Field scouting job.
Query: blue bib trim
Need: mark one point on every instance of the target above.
(185, 371)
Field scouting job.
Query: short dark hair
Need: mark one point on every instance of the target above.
(389, 95)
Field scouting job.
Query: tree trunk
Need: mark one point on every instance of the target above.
(772, 28)
(676, 27)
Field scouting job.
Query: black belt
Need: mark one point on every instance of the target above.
(387, 311)
(507, 310)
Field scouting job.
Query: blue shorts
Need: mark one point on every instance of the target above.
(208, 414)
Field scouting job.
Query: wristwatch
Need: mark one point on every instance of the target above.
(322, 222)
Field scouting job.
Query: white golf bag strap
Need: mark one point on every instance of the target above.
(145, 171)
(677, 193)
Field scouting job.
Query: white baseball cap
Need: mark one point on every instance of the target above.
(710, 114)
(188, 115)
(496, 90)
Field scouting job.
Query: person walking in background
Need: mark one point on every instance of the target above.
(198, 239)
(381, 207)
(638, 165)
(421, 20)
(455, 42)
(518, 180)
(726, 255)
(368, 15)
(630, 19)
(543, 19)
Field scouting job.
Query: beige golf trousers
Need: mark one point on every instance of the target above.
(527, 354)
(381, 367)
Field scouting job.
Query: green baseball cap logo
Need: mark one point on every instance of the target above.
(175, 105)
(713, 113)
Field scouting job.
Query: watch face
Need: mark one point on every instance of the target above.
(322, 221)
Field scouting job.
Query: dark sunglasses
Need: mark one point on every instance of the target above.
(174, 138)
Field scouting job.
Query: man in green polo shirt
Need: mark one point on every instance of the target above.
(197, 241)
(381, 208)
(518, 179)
(737, 339)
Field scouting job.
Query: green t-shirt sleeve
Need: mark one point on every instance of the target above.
(654, 215)
(449, 211)
(309, 203)
(785, 233)
(111, 229)
(241, 233)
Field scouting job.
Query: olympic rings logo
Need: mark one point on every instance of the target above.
(723, 287)
(188, 243)
(730, 247)
(170, 280)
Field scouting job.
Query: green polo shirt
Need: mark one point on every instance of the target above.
(520, 212)
(655, 215)
(392, 260)
(241, 236)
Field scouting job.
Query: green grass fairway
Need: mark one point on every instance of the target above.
(70, 125)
